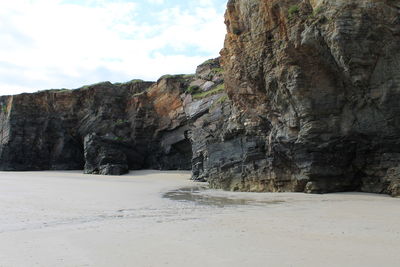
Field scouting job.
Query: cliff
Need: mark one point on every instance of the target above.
(108, 128)
(319, 84)
(308, 102)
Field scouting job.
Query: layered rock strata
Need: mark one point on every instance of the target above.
(108, 128)
(317, 84)
(46, 130)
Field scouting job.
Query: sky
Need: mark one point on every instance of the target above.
(51, 44)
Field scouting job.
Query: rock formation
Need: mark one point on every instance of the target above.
(46, 130)
(108, 128)
(308, 101)
(318, 84)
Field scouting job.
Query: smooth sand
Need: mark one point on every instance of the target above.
(70, 219)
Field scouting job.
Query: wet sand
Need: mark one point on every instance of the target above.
(151, 218)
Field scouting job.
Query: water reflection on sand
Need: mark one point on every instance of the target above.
(201, 195)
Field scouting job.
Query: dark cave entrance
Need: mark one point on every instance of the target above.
(183, 151)
(172, 152)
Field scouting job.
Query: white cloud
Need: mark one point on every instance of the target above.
(156, 1)
(46, 44)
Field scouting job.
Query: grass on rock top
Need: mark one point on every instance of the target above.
(193, 89)
(219, 89)
(217, 70)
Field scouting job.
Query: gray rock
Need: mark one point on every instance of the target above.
(323, 83)
(207, 86)
(103, 156)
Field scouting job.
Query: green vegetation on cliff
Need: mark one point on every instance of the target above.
(219, 89)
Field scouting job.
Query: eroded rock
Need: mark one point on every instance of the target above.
(104, 156)
(104, 128)
(321, 79)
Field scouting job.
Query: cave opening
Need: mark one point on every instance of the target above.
(183, 150)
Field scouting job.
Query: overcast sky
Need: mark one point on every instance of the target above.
(47, 44)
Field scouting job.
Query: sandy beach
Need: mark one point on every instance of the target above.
(151, 218)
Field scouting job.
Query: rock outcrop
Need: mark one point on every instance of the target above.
(317, 84)
(46, 130)
(108, 128)
(308, 102)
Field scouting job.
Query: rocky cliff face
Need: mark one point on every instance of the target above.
(108, 128)
(45, 130)
(318, 83)
(309, 102)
